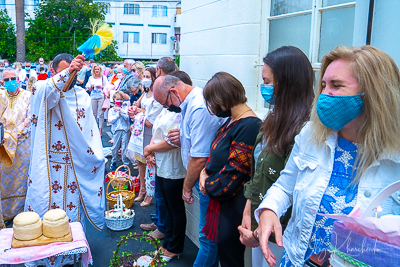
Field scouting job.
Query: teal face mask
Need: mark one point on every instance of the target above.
(267, 92)
(11, 85)
(335, 111)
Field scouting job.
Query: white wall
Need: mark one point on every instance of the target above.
(145, 49)
(222, 36)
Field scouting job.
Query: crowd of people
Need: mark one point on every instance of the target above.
(322, 150)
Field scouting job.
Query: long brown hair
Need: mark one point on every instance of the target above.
(293, 88)
(153, 78)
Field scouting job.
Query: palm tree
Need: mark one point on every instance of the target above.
(20, 22)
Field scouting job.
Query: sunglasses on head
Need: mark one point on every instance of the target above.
(8, 79)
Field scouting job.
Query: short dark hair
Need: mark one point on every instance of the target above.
(167, 65)
(41, 68)
(223, 90)
(62, 57)
(183, 76)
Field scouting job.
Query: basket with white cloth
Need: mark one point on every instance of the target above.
(119, 218)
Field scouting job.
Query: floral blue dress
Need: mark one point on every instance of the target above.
(339, 198)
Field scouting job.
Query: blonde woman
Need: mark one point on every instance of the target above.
(30, 84)
(139, 70)
(18, 68)
(95, 86)
(346, 155)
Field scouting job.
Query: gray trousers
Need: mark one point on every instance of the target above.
(98, 113)
(120, 139)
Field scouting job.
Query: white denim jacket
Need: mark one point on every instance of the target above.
(304, 180)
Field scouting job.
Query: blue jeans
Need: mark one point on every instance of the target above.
(208, 251)
(160, 219)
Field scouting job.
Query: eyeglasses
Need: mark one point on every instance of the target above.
(166, 100)
(8, 79)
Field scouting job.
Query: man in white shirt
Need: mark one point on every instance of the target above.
(25, 74)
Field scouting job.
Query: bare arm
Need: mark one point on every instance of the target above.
(148, 125)
(192, 176)
(162, 146)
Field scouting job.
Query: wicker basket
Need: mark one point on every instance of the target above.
(120, 183)
(129, 195)
(119, 224)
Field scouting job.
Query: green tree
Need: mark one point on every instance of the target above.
(60, 26)
(7, 37)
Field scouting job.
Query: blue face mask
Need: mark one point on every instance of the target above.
(267, 92)
(11, 86)
(27, 68)
(336, 111)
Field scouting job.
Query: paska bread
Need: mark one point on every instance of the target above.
(56, 223)
(27, 226)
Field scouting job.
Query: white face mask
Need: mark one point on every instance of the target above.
(147, 82)
(41, 62)
(120, 75)
(42, 72)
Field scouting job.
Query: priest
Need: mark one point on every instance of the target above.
(67, 161)
(15, 150)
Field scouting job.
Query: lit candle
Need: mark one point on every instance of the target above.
(378, 211)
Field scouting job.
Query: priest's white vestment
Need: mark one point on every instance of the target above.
(67, 161)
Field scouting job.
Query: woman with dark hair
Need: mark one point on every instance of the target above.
(228, 166)
(151, 108)
(149, 76)
(288, 88)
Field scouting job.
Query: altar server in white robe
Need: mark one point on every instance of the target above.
(67, 160)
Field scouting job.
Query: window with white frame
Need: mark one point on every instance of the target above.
(131, 37)
(30, 4)
(2, 3)
(159, 38)
(108, 8)
(314, 26)
(131, 9)
(160, 11)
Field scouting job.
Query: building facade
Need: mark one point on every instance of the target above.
(144, 30)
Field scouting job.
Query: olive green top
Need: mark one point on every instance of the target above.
(269, 167)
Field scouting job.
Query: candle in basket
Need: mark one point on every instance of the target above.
(378, 212)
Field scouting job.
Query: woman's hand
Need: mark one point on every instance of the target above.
(247, 237)
(269, 223)
(138, 110)
(131, 112)
(246, 220)
(150, 161)
(202, 181)
(174, 137)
